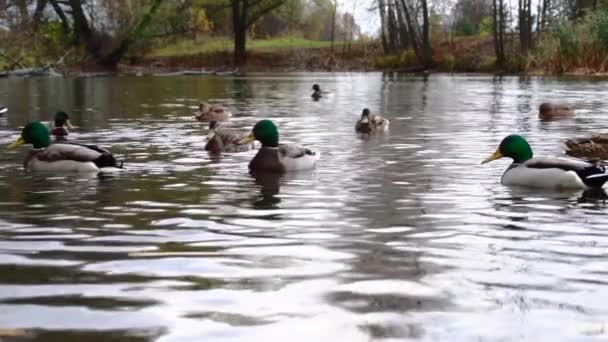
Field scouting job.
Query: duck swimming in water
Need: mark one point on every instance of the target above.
(274, 157)
(60, 126)
(371, 123)
(207, 112)
(555, 110)
(545, 172)
(317, 93)
(61, 157)
(222, 141)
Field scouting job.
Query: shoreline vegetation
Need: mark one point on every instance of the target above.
(223, 37)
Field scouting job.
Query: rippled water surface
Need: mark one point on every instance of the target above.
(394, 237)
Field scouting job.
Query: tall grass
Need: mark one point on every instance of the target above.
(580, 46)
(222, 44)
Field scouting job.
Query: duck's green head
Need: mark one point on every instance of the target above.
(513, 146)
(34, 133)
(266, 132)
(62, 119)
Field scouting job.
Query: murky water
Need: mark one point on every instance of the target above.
(394, 237)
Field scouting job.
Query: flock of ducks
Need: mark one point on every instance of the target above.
(526, 170)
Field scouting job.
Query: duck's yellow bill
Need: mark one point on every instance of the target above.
(68, 124)
(19, 142)
(250, 138)
(494, 156)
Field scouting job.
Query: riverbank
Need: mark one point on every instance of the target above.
(214, 57)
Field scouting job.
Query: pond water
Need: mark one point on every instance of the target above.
(392, 237)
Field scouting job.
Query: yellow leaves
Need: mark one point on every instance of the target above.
(202, 23)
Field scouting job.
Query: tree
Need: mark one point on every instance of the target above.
(498, 12)
(244, 14)
(525, 25)
(106, 49)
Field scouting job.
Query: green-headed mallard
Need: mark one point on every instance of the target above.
(207, 112)
(593, 147)
(59, 127)
(545, 172)
(61, 157)
(555, 110)
(371, 123)
(275, 157)
(223, 141)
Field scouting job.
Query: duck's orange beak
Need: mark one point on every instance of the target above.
(494, 156)
(250, 138)
(18, 142)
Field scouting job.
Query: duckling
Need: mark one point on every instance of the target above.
(274, 157)
(555, 110)
(221, 141)
(61, 125)
(61, 157)
(593, 147)
(545, 172)
(207, 112)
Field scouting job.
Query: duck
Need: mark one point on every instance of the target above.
(555, 110)
(364, 124)
(371, 123)
(61, 157)
(207, 112)
(545, 172)
(59, 128)
(273, 157)
(317, 93)
(591, 147)
(222, 141)
(3, 109)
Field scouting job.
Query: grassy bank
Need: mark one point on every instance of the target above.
(224, 44)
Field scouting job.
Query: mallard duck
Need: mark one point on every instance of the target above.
(3, 109)
(207, 112)
(545, 172)
(274, 157)
(593, 147)
(555, 110)
(61, 157)
(364, 125)
(371, 123)
(317, 93)
(60, 126)
(222, 141)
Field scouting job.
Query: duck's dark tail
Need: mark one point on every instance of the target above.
(108, 160)
(596, 181)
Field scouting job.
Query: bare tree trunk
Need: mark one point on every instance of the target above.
(411, 29)
(392, 28)
(403, 35)
(498, 14)
(239, 22)
(383, 25)
(333, 25)
(40, 6)
(426, 39)
(65, 25)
